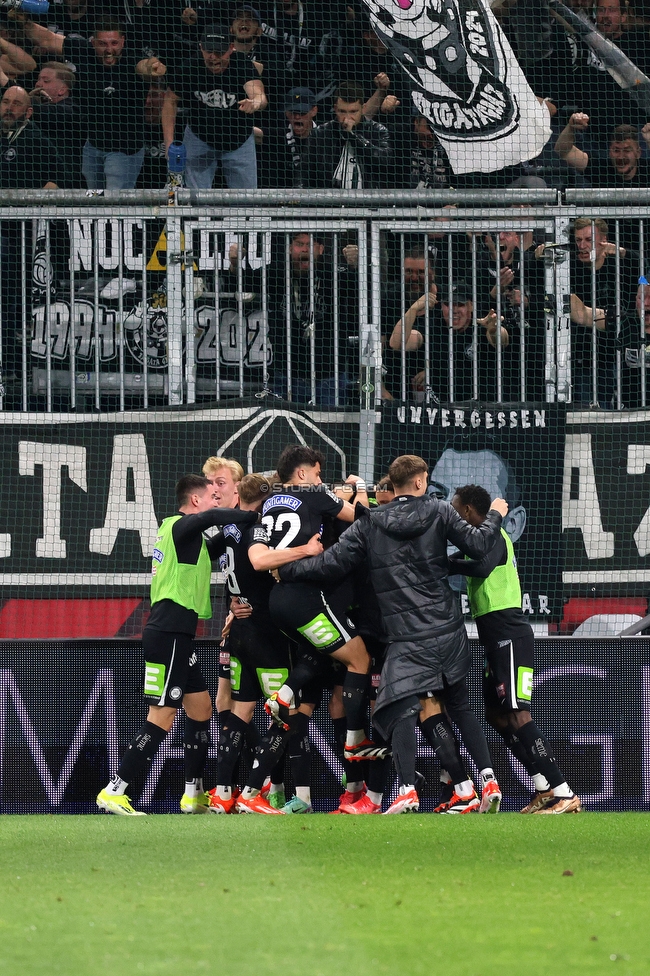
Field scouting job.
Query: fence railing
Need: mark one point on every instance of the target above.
(120, 300)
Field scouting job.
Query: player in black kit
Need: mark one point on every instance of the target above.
(316, 617)
(507, 638)
(259, 651)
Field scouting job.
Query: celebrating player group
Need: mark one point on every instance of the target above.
(342, 594)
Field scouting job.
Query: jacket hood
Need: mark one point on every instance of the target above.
(407, 517)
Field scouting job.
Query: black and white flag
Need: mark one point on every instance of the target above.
(465, 80)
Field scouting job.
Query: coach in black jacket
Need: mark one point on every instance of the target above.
(404, 545)
(349, 152)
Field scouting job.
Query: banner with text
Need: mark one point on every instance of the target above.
(515, 452)
(83, 495)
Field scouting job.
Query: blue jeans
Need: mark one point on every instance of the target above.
(239, 165)
(110, 170)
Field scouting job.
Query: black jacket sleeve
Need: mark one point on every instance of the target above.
(192, 526)
(474, 541)
(340, 559)
(479, 568)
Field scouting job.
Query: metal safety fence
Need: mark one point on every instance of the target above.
(119, 301)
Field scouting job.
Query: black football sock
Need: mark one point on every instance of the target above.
(253, 738)
(277, 773)
(517, 749)
(195, 747)
(404, 746)
(141, 751)
(459, 710)
(354, 771)
(539, 750)
(378, 769)
(267, 754)
(355, 699)
(300, 751)
(223, 717)
(307, 667)
(232, 737)
(440, 736)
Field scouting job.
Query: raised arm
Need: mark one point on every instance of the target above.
(168, 117)
(582, 314)
(13, 60)
(565, 145)
(476, 541)
(374, 103)
(151, 68)
(412, 338)
(489, 323)
(44, 38)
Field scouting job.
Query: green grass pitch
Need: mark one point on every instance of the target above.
(325, 896)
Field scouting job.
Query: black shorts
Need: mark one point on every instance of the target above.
(331, 674)
(259, 659)
(171, 668)
(315, 618)
(508, 673)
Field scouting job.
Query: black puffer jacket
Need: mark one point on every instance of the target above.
(404, 545)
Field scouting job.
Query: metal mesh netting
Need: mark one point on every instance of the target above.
(384, 235)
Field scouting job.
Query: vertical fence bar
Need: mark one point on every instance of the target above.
(48, 316)
(642, 313)
(97, 361)
(369, 350)
(594, 334)
(312, 322)
(375, 297)
(190, 355)
(474, 320)
(120, 309)
(174, 309)
(145, 319)
(266, 245)
(403, 390)
(242, 331)
(73, 322)
(450, 324)
(23, 303)
(617, 259)
(288, 287)
(499, 390)
(522, 319)
(427, 322)
(217, 314)
(335, 311)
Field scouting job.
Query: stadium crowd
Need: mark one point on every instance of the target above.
(288, 94)
(342, 595)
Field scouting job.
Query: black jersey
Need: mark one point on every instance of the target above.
(242, 580)
(297, 513)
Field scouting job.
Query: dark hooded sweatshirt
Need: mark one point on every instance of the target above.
(404, 547)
